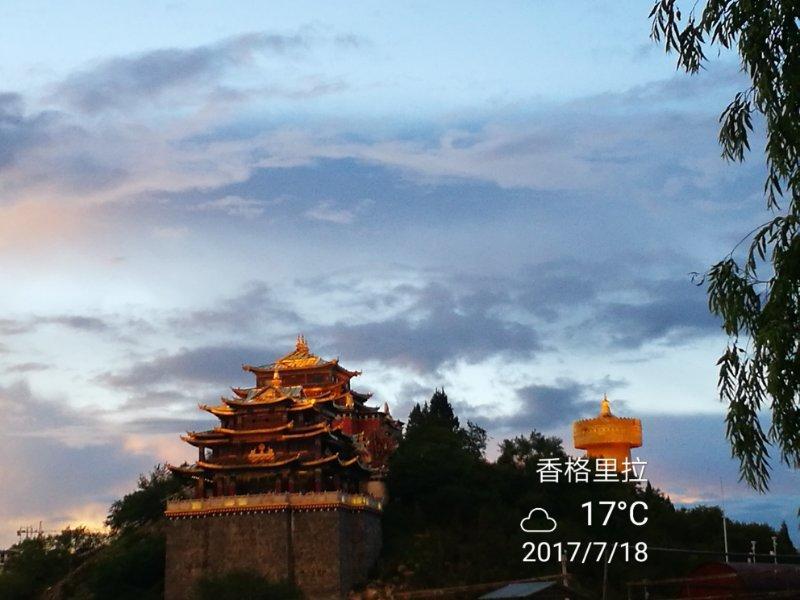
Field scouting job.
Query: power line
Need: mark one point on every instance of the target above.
(722, 553)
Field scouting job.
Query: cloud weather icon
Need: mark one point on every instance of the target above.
(540, 523)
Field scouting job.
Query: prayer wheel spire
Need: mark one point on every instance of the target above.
(605, 407)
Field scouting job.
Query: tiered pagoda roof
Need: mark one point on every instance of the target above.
(301, 424)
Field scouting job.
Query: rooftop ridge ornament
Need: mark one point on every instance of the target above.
(301, 345)
(276, 377)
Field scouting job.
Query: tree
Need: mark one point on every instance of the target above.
(38, 562)
(131, 567)
(441, 412)
(757, 295)
(452, 509)
(147, 503)
(525, 452)
(784, 541)
(437, 412)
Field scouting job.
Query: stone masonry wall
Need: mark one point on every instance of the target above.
(325, 552)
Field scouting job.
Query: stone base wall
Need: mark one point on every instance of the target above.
(324, 552)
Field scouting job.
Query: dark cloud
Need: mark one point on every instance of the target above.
(673, 310)
(218, 365)
(80, 172)
(544, 407)
(169, 425)
(350, 40)
(50, 148)
(145, 396)
(450, 317)
(56, 459)
(125, 81)
(254, 305)
(440, 326)
(410, 393)
(720, 80)
(27, 367)
(14, 327)
(19, 131)
(474, 317)
(33, 415)
(76, 322)
(79, 322)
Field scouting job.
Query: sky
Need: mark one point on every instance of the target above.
(503, 199)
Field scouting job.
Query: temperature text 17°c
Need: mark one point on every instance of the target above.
(605, 509)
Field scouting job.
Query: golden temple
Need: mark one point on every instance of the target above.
(300, 428)
(608, 436)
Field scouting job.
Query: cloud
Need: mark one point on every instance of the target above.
(76, 322)
(60, 460)
(234, 206)
(544, 407)
(79, 322)
(351, 40)
(523, 167)
(19, 131)
(218, 365)
(254, 305)
(720, 80)
(440, 325)
(542, 523)
(46, 149)
(170, 233)
(149, 396)
(326, 211)
(671, 310)
(563, 150)
(171, 426)
(27, 367)
(124, 82)
(14, 327)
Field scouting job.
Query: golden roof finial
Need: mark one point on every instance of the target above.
(301, 345)
(276, 378)
(605, 406)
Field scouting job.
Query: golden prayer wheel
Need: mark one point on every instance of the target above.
(608, 436)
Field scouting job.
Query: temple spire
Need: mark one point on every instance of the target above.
(276, 378)
(301, 345)
(605, 406)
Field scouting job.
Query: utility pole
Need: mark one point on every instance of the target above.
(725, 535)
(724, 522)
(564, 573)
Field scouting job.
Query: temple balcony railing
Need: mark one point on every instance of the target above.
(272, 502)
